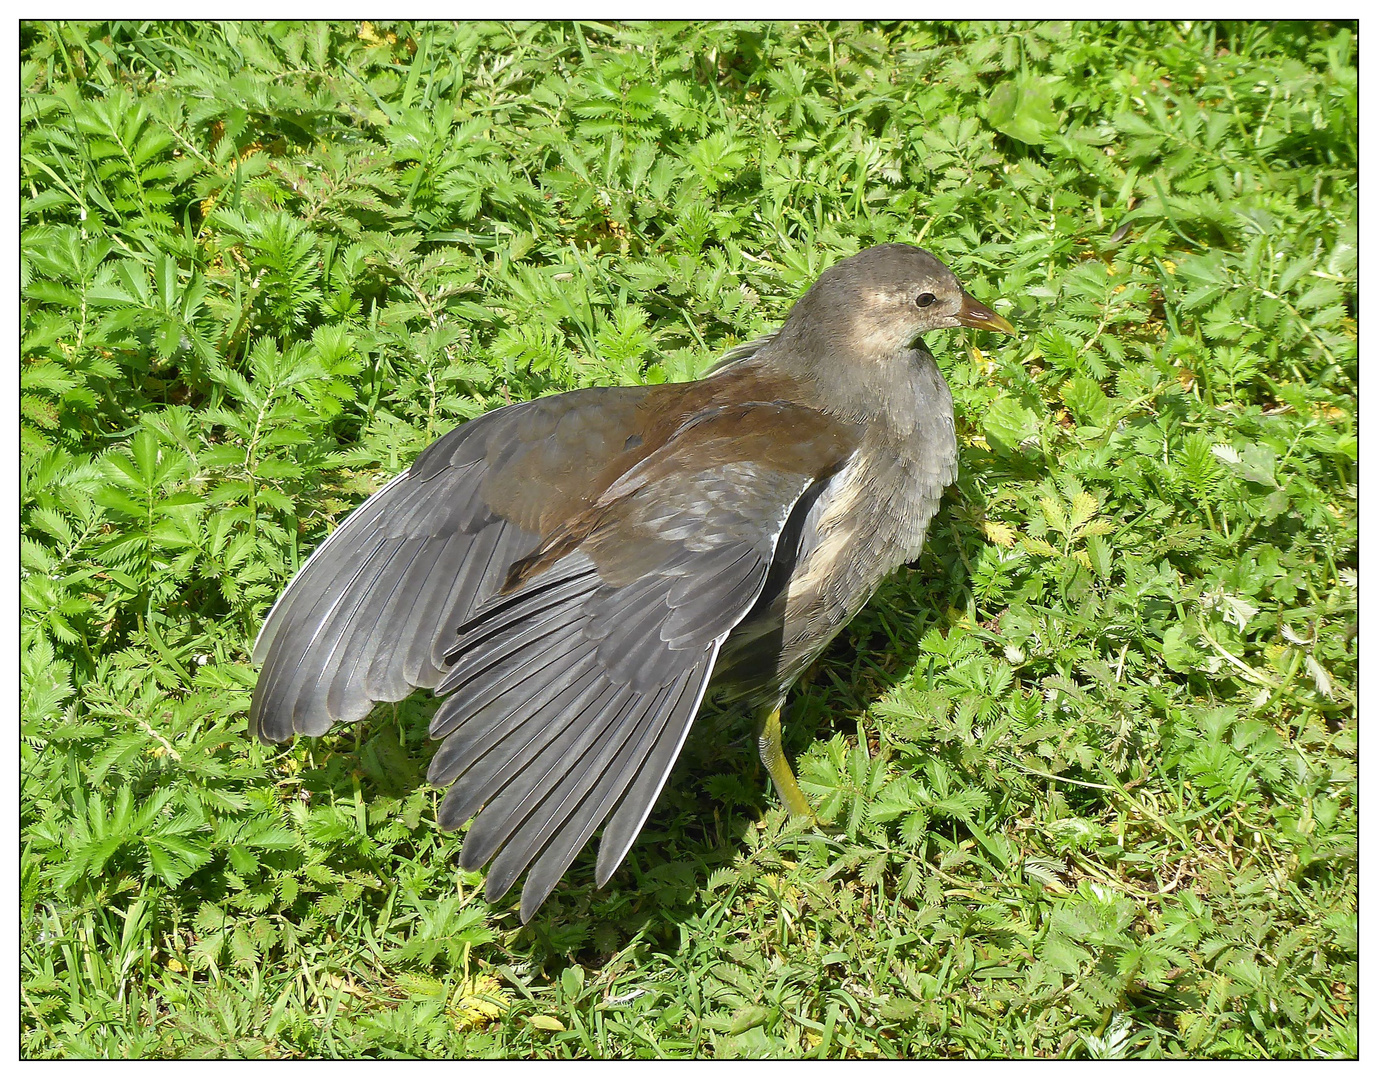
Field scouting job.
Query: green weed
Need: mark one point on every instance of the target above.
(1090, 766)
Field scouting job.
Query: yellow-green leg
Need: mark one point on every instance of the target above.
(773, 758)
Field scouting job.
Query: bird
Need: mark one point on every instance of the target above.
(572, 574)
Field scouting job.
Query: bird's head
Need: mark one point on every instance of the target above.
(853, 343)
(882, 300)
(855, 336)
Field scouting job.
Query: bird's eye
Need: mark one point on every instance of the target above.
(924, 299)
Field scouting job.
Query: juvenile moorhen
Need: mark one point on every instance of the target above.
(573, 573)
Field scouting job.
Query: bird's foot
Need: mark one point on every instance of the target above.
(773, 758)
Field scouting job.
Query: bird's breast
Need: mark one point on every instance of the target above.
(868, 519)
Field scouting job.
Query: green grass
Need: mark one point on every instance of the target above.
(1091, 765)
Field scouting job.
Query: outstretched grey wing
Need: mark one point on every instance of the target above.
(572, 692)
